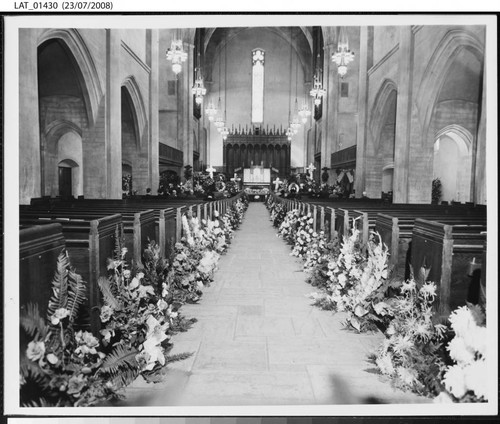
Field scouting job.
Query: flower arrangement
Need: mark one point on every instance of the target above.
(304, 235)
(137, 321)
(287, 228)
(358, 281)
(62, 364)
(465, 379)
(412, 352)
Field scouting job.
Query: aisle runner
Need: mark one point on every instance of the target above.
(258, 341)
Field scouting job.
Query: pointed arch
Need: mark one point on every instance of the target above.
(85, 66)
(436, 72)
(380, 109)
(139, 115)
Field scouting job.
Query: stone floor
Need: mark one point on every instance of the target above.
(258, 340)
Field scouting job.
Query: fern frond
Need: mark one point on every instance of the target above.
(59, 284)
(32, 322)
(125, 377)
(122, 356)
(107, 293)
(177, 357)
(76, 294)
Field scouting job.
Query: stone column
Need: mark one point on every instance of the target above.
(359, 182)
(113, 116)
(479, 178)
(330, 107)
(30, 172)
(403, 116)
(185, 104)
(154, 133)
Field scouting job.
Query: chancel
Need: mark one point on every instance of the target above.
(214, 216)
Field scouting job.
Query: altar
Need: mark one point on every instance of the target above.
(256, 182)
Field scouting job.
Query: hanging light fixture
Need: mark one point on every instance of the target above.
(225, 130)
(211, 110)
(176, 55)
(343, 56)
(304, 112)
(295, 124)
(289, 134)
(198, 88)
(219, 120)
(318, 92)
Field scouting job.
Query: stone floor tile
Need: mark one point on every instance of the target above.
(241, 356)
(248, 388)
(265, 326)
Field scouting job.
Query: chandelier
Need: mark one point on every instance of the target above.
(176, 55)
(304, 112)
(219, 123)
(198, 88)
(343, 56)
(289, 134)
(295, 124)
(224, 132)
(317, 91)
(211, 111)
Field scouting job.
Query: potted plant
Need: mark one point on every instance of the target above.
(436, 191)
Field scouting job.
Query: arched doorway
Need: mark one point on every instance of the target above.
(70, 170)
(380, 149)
(453, 164)
(63, 118)
(130, 143)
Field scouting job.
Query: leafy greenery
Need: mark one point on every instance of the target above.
(61, 364)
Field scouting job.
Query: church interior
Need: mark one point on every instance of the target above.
(157, 166)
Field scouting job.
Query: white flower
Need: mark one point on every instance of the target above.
(162, 305)
(477, 340)
(428, 289)
(53, 359)
(106, 313)
(407, 375)
(126, 273)
(384, 363)
(476, 376)
(462, 321)
(35, 350)
(107, 334)
(454, 381)
(59, 315)
(459, 351)
(144, 290)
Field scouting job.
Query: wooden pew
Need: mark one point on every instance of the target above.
(39, 247)
(396, 233)
(89, 244)
(138, 227)
(447, 251)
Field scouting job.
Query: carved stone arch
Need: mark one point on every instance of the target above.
(139, 115)
(380, 109)
(58, 127)
(435, 74)
(86, 69)
(464, 135)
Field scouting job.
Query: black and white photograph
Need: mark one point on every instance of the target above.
(251, 215)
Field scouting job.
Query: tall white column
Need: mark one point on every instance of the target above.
(113, 115)
(154, 133)
(330, 107)
(30, 172)
(359, 182)
(403, 116)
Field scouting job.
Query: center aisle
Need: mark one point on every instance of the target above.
(259, 341)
